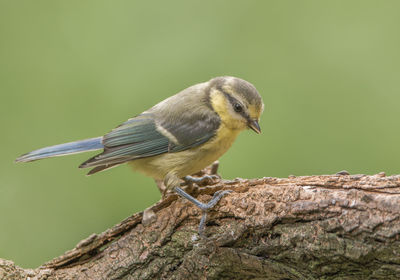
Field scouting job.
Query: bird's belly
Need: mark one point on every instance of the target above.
(189, 161)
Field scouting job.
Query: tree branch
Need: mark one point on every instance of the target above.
(338, 226)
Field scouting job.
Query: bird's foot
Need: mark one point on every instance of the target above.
(203, 180)
(203, 206)
(207, 176)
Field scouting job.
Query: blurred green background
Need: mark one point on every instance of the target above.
(328, 72)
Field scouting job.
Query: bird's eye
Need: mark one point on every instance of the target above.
(238, 108)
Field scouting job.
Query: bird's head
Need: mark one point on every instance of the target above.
(237, 102)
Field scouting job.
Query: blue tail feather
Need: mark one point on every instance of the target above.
(63, 149)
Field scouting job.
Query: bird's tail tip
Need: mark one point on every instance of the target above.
(22, 158)
(62, 149)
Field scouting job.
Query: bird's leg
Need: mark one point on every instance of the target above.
(171, 181)
(203, 206)
(214, 168)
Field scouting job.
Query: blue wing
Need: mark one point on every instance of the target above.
(145, 136)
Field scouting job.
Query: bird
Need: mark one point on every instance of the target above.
(176, 138)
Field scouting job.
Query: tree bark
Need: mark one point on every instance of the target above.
(311, 227)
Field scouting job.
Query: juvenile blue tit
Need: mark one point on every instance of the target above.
(178, 137)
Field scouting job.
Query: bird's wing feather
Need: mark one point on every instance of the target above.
(191, 130)
(146, 135)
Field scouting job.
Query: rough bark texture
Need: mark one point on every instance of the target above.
(312, 227)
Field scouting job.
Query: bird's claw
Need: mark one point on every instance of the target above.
(204, 180)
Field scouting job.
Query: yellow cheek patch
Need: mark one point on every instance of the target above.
(222, 107)
(218, 102)
(255, 111)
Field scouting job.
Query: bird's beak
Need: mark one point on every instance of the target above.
(253, 124)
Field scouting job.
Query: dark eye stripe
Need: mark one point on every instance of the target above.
(231, 99)
(234, 101)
